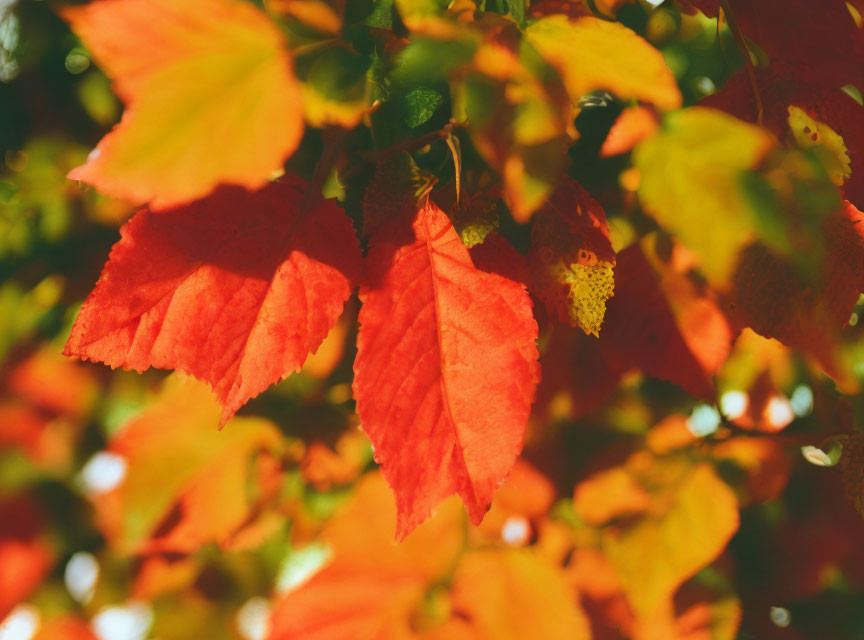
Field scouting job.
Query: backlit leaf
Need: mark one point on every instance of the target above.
(592, 54)
(236, 122)
(235, 289)
(185, 482)
(513, 594)
(690, 173)
(371, 587)
(446, 367)
(777, 91)
(656, 554)
(572, 259)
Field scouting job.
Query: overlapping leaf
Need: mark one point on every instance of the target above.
(186, 482)
(592, 54)
(663, 322)
(572, 258)
(446, 367)
(210, 97)
(690, 174)
(235, 289)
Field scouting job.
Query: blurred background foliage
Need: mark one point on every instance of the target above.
(76, 552)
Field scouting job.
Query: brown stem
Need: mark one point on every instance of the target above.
(751, 71)
(332, 145)
(402, 147)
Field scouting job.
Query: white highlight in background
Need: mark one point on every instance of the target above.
(253, 619)
(128, 622)
(81, 576)
(103, 472)
(734, 404)
(21, 623)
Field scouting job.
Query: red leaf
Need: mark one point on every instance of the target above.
(770, 296)
(235, 289)
(663, 324)
(832, 106)
(25, 558)
(572, 258)
(446, 367)
(496, 255)
(816, 42)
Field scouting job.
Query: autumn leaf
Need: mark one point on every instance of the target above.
(634, 125)
(689, 182)
(446, 367)
(814, 42)
(185, 482)
(701, 516)
(236, 123)
(663, 322)
(519, 123)
(592, 54)
(778, 301)
(25, 556)
(235, 289)
(777, 92)
(371, 587)
(67, 627)
(513, 594)
(572, 258)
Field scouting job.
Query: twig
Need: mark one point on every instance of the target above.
(751, 71)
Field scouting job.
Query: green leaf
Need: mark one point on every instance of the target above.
(420, 105)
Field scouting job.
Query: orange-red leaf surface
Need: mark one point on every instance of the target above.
(371, 587)
(662, 322)
(446, 367)
(25, 558)
(235, 289)
(209, 91)
(67, 627)
(632, 127)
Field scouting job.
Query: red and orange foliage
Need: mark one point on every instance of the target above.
(594, 324)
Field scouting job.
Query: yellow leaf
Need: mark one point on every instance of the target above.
(210, 96)
(829, 145)
(514, 594)
(690, 173)
(592, 54)
(654, 556)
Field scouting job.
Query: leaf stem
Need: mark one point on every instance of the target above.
(742, 44)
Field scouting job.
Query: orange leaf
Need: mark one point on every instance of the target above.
(446, 367)
(210, 96)
(185, 483)
(24, 558)
(514, 594)
(235, 289)
(372, 587)
(632, 127)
